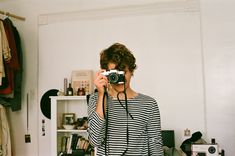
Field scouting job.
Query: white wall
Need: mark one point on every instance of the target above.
(74, 40)
(218, 43)
(218, 46)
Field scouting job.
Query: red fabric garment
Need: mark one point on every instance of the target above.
(10, 87)
(13, 63)
(10, 94)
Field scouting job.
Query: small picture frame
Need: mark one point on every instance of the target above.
(68, 118)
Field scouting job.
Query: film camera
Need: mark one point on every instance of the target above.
(115, 76)
(206, 150)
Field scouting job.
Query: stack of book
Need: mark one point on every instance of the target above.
(72, 144)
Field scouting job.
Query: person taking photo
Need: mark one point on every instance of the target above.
(122, 121)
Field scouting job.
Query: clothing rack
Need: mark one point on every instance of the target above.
(12, 15)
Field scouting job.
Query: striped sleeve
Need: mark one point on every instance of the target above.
(95, 123)
(154, 131)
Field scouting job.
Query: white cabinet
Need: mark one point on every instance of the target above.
(59, 106)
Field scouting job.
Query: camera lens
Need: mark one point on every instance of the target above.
(211, 149)
(113, 78)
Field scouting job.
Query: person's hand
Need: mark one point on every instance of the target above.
(100, 82)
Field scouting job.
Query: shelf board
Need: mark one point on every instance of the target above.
(71, 131)
(68, 97)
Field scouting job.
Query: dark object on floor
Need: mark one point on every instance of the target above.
(186, 145)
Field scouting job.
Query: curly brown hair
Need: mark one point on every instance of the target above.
(120, 55)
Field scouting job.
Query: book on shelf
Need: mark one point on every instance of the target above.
(68, 146)
(74, 141)
(61, 143)
(64, 143)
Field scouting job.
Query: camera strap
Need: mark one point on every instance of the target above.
(106, 116)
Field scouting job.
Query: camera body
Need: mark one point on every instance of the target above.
(115, 76)
(205, 149)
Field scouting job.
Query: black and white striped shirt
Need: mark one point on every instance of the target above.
(144, 129)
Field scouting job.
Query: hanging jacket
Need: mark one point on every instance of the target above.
(11, 95)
